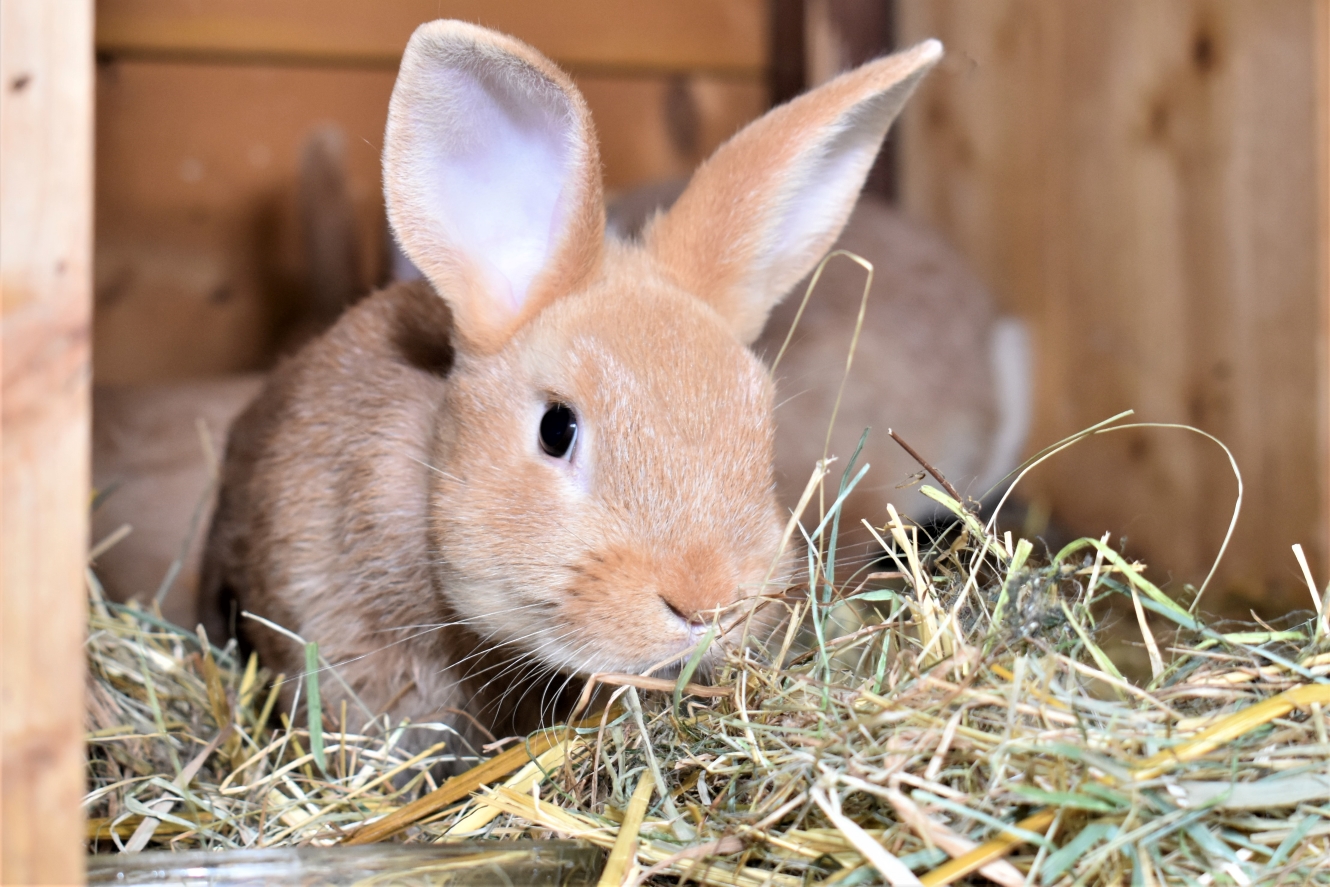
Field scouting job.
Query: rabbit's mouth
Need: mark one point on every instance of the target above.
(630, 611)
(664, 647)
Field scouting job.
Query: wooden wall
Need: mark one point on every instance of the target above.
(45, 285)
(203, 109)
(1144, 182)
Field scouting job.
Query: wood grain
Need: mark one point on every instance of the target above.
(585, 35)
(46, 109)
(199, 258)
(1139, 180)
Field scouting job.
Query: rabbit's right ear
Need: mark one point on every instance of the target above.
(491, 176)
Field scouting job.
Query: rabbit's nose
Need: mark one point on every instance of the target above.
(699, 585)
(693, 619)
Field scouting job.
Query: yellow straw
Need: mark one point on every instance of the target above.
(986, 852)
(625, 845)
(1231, 728)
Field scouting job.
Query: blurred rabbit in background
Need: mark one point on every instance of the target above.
(934, 362)
(155, 448)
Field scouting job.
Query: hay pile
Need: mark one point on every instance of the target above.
(184, 750)
(945, 715)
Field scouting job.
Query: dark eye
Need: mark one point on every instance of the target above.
(558, 430)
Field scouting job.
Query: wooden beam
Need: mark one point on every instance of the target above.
(583, 35)
(46, 112)
(788, 75)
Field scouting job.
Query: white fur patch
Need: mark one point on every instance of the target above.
(1013, 389)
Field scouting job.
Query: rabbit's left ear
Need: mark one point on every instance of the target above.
(492, 177)
(771, 201)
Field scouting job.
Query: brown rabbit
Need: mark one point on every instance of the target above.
(556, 451)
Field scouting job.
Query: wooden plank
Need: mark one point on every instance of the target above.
(678, 35)
(199, 254)
(660, 127)
(1138, 179)
(45, 273)
(1321, 36)
(841, 34)
(788, 72)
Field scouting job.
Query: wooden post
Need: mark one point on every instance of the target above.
(46, 114)
(1321, 34)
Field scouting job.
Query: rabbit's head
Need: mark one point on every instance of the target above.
(602, 466)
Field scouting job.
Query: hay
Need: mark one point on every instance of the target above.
(183, 750)
(951, 715)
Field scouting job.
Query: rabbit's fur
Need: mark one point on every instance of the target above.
(934, 362)
(387, 495)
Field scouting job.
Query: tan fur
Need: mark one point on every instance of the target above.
(713, 237)
(387, 496)
(922, 368)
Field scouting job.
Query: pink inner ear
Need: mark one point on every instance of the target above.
(490, 151)
(769, 204)
(819, 203)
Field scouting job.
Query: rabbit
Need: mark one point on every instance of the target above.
(934, 362)
(554, 452)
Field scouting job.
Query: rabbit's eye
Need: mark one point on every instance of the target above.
(558, 430)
